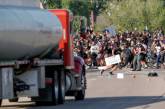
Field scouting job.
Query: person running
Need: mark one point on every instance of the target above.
(115, 51)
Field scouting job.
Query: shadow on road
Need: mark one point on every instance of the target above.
(103, 103)
(116, 102)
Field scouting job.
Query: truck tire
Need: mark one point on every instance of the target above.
(13, 100)
(0, 103)
(61, 87)
(55, 88)
(80, 95)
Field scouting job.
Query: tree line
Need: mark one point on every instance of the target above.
(123, 14)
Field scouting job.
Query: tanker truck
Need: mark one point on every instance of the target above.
(36, 57)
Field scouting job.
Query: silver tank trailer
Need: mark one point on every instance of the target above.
(27, 32)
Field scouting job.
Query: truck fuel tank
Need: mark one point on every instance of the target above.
(26, 32)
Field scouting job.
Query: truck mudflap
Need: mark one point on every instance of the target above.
(6, 83)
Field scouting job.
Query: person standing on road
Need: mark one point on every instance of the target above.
(94, 52)
(137, 58)
(158, 54)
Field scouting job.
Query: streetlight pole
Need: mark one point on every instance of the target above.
(92, 17)
(146, 15)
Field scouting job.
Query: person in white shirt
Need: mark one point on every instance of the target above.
(94, 52)
(158, 55)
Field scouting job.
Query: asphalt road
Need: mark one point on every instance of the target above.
(135, 91)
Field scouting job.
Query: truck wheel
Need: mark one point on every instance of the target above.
(80, 95)
(13, 100)
(55, 88)
(0, 102)
(61, 87)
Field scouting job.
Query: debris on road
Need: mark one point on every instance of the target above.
(152, 74)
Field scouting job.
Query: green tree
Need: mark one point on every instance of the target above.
(65, 4)
(130, 14)
(52, 4)
(98, 6)
(79, 7)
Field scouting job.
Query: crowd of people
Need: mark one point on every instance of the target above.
(137, 49)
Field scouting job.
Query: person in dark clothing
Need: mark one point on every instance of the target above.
(126, 55)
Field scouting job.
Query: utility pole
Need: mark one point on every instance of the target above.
(92, 17)
(146, 15)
